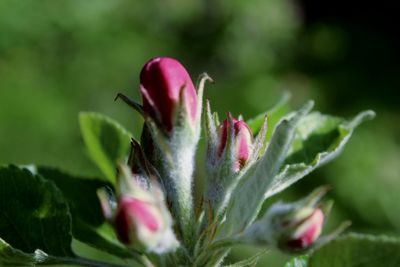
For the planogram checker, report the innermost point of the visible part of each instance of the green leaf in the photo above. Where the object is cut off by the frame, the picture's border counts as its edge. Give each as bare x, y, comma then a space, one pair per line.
300, 261
356, 250
319, 139
80, 192
252, 261
107, 141
102, 238
87, 219
10, 256
274, 115
35, 222
250, 194
34, 214
14, 257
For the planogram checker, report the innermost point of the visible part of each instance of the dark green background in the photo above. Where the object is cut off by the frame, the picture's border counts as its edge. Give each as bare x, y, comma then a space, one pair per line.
60, 57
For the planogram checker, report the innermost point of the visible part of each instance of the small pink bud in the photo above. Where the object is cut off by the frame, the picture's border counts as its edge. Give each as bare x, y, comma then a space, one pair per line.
135, 218
292, 227
307, 232
242, 139
161, 82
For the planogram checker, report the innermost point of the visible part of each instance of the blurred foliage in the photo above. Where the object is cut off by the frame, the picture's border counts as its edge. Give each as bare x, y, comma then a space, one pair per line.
60, 57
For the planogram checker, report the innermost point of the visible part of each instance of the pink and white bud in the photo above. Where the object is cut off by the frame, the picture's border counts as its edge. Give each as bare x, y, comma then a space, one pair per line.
291, 227
242, 140
161, 81
294, 228
137, 221
306, 232
141, 218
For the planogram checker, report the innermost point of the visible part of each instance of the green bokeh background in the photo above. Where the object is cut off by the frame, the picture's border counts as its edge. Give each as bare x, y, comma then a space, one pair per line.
61, 57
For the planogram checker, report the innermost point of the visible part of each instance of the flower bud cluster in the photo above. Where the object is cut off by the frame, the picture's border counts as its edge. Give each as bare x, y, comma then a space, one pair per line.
159, 171
171, 108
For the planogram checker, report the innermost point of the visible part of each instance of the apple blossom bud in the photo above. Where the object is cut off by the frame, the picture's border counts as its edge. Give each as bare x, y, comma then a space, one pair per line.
242, 136
161, 82
140, 217
291, 227
305, 233
136, 221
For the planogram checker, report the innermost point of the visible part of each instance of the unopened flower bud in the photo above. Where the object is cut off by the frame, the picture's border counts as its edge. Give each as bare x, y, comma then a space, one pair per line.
291, 227
288, 227
295, 227
242, 140
137, 221
140, 216
162, 80
303, 233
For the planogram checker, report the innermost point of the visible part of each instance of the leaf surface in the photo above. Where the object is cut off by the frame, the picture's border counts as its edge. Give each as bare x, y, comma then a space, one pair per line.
319, 139
356, 250
275, 114
34, 218
300, 261
88, 221
106, 140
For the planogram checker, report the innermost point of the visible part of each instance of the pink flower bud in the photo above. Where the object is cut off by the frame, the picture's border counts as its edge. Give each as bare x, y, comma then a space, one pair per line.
292, 227
307, 231
135, 220
242, 140
161, 82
